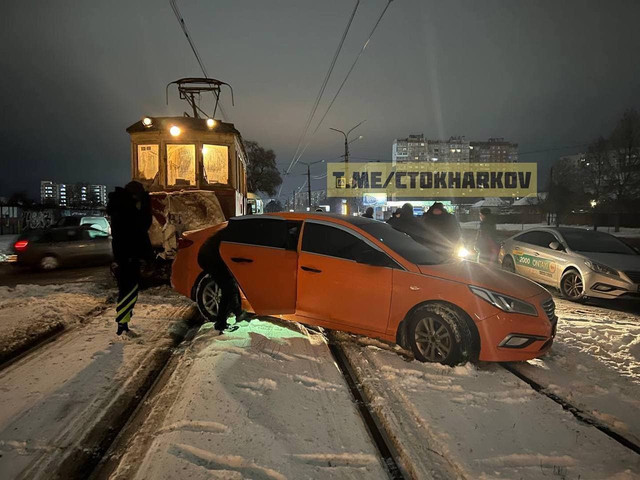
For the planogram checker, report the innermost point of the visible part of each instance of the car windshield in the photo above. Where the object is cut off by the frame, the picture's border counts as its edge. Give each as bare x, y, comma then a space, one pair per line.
596, 242
402, 244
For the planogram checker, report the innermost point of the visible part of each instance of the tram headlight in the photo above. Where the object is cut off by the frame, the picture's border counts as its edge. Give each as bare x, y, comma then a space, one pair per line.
175, 131
147, 122
211, 122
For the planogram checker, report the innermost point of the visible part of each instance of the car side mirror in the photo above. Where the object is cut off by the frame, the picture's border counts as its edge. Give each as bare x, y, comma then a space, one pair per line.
372, 257
556, 246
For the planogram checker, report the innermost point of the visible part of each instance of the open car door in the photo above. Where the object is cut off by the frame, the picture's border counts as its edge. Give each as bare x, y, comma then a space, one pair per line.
260, 251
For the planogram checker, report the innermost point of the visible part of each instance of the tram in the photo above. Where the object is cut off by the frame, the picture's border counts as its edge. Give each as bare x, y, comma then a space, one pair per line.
194, 166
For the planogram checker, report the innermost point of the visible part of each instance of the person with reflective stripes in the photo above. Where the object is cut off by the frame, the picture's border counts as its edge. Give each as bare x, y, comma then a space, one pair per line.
130, 212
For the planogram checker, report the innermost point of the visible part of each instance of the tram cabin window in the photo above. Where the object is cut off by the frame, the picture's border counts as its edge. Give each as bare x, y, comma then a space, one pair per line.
216, 164
148, 165
181, 165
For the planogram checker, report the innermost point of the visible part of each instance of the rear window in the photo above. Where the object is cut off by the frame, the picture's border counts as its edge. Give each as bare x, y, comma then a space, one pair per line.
264, 232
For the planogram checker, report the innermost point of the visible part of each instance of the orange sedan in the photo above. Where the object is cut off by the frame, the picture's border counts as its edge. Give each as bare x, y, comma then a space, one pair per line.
362, 276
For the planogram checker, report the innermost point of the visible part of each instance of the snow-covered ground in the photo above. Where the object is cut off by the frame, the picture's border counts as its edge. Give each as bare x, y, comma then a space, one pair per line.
264, 402
6, 241
594, 365
27, 312
484, 422
515, 227
60, 402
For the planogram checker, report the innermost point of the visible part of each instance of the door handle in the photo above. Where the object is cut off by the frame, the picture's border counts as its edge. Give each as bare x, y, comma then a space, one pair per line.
309, 269
241, 260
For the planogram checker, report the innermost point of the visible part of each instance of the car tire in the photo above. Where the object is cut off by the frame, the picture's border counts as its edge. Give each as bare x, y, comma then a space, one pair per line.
49, 262
508, 265
572, 285
438, 333
208, 298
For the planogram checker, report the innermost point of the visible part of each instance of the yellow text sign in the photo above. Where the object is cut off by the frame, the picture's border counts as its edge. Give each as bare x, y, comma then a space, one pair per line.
432, 179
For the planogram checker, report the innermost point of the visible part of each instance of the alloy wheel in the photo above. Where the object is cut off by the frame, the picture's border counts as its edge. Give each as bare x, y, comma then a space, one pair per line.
433, 339
211, 296
49, 263
572, 285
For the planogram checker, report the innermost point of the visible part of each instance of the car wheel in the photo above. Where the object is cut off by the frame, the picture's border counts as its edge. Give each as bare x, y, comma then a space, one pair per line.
49, 262
508, 265
437, 333
572, 285
208, 298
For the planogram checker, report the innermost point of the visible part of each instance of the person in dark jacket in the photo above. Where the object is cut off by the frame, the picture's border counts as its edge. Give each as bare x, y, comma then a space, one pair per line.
487, 244
394, 216
211, 262
368, 213
130, 212
442, 229
409, 224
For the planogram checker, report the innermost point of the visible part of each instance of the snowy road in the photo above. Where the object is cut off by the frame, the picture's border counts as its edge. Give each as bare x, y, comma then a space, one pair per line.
268, 401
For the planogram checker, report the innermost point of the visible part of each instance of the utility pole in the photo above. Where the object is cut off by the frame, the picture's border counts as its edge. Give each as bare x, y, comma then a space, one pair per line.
308, 164
294, 200
309, 184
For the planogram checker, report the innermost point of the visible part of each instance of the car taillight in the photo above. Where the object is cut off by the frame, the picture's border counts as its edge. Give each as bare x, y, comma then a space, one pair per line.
184, 243
21, 245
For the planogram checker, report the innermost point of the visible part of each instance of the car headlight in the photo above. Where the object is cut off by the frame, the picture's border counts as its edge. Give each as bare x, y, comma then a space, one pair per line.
600, 268
462, 252
505, 302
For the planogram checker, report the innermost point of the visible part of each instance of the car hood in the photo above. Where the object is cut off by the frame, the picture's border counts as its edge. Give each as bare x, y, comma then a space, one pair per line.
615, 260
473, 273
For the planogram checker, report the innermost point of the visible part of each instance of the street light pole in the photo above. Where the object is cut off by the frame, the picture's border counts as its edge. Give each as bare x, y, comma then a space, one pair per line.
346, 139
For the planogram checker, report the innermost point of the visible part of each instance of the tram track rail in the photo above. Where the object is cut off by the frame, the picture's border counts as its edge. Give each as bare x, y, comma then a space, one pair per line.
577, 412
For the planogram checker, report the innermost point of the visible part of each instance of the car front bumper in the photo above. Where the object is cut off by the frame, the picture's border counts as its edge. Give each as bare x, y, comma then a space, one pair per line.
597, 285
509, 337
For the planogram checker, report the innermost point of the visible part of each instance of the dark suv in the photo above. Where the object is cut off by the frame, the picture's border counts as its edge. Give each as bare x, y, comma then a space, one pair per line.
62, 247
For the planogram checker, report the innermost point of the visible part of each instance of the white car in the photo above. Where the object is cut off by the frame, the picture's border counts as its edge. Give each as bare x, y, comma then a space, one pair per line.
580, 263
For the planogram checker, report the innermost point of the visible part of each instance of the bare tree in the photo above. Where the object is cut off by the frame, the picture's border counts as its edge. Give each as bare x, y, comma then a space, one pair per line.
624, 162
595, 174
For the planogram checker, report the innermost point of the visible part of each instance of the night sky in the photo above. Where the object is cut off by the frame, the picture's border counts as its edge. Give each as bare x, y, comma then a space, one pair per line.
75, 74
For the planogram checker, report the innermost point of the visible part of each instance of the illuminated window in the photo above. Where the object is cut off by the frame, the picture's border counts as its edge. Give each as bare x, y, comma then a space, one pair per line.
216, 163
147, 162
181, 165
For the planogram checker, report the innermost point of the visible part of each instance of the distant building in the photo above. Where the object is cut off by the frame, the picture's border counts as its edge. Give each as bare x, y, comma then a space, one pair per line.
73, 195
416, 148
495, 150
410, 149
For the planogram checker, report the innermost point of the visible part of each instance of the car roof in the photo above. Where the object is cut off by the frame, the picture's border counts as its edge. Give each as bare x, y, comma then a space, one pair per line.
332, 217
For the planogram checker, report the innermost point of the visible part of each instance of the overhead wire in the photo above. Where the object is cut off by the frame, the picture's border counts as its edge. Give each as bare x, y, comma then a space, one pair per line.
353, 65
183, 25
323, 86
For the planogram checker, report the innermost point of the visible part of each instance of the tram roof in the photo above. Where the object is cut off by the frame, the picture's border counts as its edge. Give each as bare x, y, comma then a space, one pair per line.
185, 123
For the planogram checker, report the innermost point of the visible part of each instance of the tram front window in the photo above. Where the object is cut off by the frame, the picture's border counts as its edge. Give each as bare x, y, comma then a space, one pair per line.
181, 165
148, 165
216, 164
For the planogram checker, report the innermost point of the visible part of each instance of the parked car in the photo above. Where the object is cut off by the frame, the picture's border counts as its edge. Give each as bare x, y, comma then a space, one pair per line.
580, 263
51, 248
99, 223
362, 276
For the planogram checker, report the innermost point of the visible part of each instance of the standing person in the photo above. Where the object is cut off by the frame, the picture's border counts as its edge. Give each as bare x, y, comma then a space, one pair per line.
409, 224
487, 244
443, 230
130, 212
394, 217
368, 213
211, 262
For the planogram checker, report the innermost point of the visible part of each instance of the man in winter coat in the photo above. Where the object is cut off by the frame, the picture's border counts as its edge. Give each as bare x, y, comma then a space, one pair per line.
368, 213
211, 262
442, 229
130, 212
409, 224
487, 244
